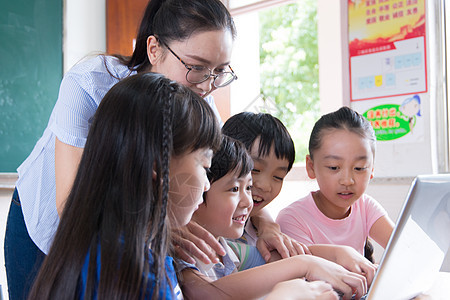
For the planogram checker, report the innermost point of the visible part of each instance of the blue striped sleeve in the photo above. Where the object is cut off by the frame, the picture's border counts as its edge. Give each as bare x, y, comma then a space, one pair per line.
248, 256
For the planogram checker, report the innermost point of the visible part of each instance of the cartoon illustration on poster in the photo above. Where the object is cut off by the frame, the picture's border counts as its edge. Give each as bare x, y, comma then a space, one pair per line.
410, 108
393, 121
387, 48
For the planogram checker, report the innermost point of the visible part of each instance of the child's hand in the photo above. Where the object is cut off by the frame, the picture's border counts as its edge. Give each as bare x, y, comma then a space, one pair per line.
286, 247
347, 257
353, 261
271, 238
341, 279
193, 240
299, 289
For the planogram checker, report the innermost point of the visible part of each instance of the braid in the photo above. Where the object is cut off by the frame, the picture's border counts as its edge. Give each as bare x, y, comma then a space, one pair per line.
161, 227
166, 150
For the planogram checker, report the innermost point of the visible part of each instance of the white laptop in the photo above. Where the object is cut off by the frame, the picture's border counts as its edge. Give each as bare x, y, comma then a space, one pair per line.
419, 242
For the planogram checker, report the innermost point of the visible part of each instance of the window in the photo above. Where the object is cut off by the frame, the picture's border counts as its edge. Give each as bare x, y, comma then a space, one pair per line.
276, 59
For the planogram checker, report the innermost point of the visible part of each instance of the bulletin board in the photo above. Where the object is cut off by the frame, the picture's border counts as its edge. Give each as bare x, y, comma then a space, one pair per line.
30, 73
389, 81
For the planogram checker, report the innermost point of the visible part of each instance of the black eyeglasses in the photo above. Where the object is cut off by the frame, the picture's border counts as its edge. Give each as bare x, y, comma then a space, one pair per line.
199, 74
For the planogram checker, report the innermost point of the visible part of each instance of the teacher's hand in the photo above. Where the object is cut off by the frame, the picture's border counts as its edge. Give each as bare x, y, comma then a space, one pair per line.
193, 240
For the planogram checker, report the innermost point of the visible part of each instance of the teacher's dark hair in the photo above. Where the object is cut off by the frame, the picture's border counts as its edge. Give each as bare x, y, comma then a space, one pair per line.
177, 20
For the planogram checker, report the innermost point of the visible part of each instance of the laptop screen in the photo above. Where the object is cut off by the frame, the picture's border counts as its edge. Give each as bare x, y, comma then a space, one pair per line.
419, 242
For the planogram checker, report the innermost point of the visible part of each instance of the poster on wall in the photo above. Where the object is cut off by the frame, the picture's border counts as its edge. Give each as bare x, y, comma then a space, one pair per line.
387, 47
392, 121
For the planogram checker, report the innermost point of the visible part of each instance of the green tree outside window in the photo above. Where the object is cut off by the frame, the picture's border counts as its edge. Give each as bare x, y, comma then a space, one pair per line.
290, 68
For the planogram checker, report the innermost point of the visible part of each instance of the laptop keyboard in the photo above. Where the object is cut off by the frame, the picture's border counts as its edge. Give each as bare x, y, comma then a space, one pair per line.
341, 295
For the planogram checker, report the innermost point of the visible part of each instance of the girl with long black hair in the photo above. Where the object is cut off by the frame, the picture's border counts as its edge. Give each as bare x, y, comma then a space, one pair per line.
143, 170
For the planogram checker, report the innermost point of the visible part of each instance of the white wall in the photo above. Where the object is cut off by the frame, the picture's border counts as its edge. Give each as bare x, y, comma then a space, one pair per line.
333, 55
245, 53
84, 30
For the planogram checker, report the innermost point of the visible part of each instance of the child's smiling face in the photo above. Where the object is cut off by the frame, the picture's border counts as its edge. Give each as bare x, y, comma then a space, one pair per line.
227, 206
268, 175
343, 167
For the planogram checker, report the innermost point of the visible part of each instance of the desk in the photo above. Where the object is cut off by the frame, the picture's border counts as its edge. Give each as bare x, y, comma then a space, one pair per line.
440, 289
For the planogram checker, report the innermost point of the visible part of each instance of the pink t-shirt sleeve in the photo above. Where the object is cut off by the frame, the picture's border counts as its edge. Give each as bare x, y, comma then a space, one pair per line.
373, 210
293, 223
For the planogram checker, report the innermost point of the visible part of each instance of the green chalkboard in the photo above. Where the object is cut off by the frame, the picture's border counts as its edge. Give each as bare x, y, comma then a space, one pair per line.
30, 74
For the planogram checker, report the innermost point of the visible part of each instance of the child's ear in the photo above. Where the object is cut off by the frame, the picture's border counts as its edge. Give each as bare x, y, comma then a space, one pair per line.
372, 173
310, 167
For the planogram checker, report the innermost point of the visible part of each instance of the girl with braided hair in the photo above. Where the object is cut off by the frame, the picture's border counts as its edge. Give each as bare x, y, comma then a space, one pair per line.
187, 41
143, 171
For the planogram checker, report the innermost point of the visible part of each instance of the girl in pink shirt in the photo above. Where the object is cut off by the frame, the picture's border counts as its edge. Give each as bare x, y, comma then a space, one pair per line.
341, 159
